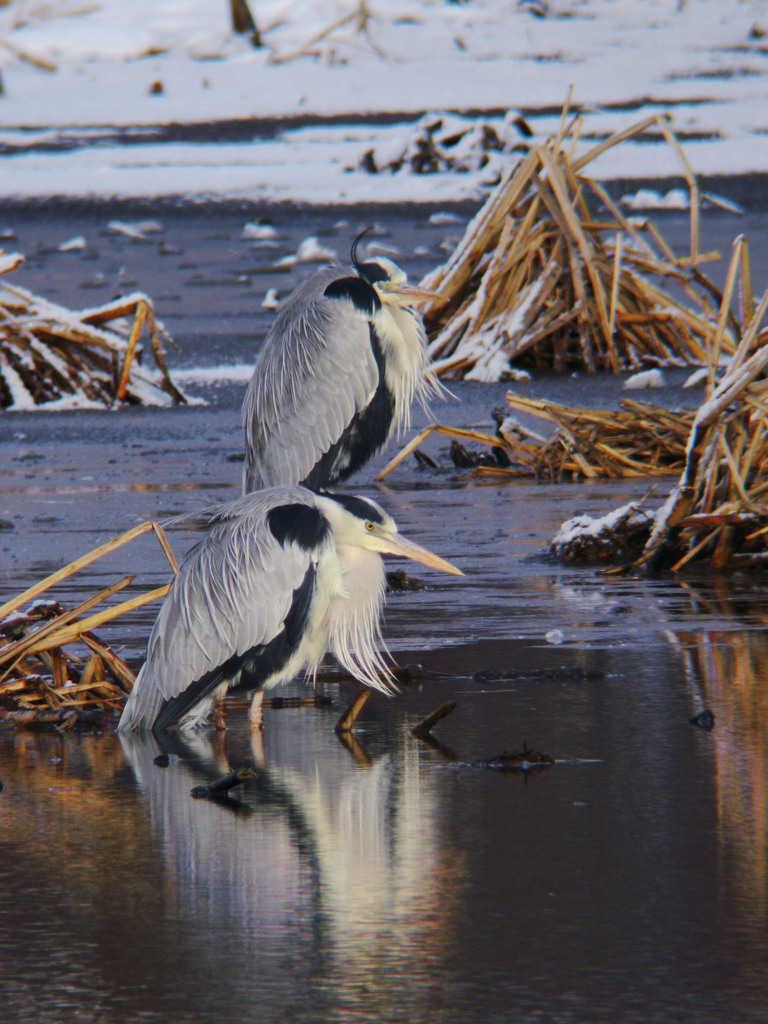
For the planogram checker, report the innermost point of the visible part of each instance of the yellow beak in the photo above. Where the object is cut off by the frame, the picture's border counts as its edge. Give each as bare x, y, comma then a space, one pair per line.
394, 544
411, 293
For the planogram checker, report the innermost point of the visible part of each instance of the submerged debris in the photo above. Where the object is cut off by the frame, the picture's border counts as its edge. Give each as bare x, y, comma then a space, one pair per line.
614, 537
398, 581
537, 276
219, 790
426, 725
704, 720
525, 760
347, 721
56, 358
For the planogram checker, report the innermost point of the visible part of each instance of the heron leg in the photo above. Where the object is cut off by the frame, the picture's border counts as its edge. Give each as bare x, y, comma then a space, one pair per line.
219, 715
256, 715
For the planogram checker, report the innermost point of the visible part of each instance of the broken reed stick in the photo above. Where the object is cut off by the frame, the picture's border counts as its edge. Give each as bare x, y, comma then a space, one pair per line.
317, 700
347, 721
27, 58
15, 651
125, 678
68, 634
426, 725
130, 349
435, 428
85, 560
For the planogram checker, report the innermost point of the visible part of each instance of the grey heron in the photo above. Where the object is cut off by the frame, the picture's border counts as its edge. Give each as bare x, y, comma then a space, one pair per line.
336, 375
281, 576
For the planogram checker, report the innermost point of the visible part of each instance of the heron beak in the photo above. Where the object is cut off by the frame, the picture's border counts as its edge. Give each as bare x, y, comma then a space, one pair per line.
397, 545
412, 293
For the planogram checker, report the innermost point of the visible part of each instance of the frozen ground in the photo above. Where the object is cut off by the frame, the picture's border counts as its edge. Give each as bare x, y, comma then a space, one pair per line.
109, 99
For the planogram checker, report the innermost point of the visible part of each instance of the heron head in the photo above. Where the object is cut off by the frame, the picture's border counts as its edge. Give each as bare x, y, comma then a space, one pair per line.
389, 281
362, 523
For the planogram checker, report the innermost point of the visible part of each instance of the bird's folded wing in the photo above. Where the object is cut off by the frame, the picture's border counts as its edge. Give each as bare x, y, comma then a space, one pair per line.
306, 390
233, 594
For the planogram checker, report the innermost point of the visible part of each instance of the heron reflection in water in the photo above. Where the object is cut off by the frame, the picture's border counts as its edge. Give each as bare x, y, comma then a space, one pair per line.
324, 869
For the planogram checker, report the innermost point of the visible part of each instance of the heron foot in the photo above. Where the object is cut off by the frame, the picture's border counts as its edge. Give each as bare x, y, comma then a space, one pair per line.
256, 714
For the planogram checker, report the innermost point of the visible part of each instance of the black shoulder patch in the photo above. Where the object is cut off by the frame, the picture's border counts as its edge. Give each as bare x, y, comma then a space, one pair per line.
358, 507
359, 292
372, 272
300, 524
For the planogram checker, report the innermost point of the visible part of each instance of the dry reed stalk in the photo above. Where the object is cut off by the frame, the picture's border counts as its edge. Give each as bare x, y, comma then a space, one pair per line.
51, 354
38, 668
537, 277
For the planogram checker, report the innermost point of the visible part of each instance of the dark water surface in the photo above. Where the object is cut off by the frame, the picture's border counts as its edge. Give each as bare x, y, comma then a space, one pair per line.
387, 879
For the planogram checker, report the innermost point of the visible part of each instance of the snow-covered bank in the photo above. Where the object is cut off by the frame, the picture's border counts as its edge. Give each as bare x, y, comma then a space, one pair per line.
173, 62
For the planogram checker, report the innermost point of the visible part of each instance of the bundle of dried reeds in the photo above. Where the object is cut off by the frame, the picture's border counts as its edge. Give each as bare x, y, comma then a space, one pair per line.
53, 668
638, 440
53, 357
536, 276
718, 510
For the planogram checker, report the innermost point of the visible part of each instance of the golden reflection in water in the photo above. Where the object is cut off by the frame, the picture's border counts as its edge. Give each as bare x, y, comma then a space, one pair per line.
62, 808
82, 873
728, 673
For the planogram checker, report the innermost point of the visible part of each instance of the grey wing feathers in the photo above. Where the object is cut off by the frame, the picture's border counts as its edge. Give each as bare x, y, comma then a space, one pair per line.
233, 592
303, 393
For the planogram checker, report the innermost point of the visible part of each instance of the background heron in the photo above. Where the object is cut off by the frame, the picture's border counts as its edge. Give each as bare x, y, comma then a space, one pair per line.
281, 576
336, 375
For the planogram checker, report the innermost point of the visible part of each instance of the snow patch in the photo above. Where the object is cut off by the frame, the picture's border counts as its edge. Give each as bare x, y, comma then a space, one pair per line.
645, 379
76, 244
649, 199
309, 251
9, 261
237, 374
258, 232
584, 538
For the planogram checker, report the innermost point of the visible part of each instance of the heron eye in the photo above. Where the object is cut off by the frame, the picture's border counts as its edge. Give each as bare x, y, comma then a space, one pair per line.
369, 526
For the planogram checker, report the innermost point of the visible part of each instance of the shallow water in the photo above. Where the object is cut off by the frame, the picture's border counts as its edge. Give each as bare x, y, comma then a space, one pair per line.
390, 879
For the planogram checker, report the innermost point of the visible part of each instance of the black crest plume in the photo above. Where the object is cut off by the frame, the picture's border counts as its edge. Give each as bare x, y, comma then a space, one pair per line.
353, 251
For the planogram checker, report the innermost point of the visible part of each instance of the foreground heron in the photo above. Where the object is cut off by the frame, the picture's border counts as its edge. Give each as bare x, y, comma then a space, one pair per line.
336, 375
281, 576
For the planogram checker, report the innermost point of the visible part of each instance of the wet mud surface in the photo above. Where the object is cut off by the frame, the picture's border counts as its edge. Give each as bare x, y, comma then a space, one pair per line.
388, 878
